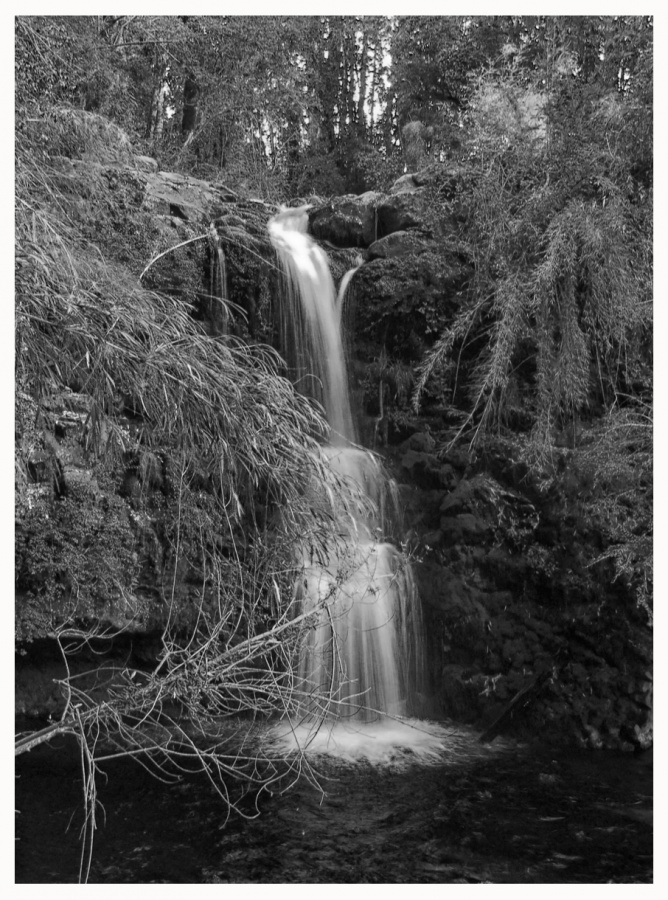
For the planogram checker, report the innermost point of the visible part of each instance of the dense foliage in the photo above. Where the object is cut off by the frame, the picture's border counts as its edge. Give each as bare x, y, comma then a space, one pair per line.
553, 341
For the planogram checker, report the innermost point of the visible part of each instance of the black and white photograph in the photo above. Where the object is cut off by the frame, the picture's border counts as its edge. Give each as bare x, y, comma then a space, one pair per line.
333, 499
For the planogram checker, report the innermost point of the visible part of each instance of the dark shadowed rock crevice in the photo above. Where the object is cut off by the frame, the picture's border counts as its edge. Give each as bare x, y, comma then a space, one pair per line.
510, 593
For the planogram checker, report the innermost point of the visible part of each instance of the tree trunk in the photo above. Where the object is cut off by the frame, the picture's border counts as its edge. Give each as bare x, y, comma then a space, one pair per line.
375, 81
293, 150
361, 114
190, 95
157, 116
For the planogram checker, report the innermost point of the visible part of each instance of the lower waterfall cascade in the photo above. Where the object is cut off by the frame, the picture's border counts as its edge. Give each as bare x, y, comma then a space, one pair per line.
363, 660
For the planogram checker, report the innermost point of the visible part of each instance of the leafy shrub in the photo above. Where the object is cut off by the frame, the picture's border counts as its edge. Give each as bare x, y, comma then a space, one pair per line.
559, 310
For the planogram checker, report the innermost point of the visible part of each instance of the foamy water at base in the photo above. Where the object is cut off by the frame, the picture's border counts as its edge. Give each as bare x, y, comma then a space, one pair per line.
382, 742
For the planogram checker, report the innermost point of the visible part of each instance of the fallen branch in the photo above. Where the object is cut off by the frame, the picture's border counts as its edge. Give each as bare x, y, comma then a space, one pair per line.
23, 744
522, 698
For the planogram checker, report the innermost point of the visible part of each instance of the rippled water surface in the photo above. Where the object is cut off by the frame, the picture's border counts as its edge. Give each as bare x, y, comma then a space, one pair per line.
438, 808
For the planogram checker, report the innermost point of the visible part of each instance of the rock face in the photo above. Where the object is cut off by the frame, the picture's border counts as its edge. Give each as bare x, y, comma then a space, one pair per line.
359, 221
169, 193
347, 221
508, 596
401, 212
117, 525
509, 593
503, 572
117, 519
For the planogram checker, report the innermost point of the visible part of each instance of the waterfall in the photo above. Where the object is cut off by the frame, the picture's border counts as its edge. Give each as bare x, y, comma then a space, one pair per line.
311, 321
362, 659
345, 281
221, 295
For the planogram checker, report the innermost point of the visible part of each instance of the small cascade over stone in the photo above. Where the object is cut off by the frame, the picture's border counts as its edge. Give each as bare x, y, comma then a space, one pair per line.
363, 659
345, 281
218, 280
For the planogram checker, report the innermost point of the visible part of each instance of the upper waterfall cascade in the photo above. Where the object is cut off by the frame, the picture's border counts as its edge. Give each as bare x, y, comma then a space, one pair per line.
363, 657
311, 320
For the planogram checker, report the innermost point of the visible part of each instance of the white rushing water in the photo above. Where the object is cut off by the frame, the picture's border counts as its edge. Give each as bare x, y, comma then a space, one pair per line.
345, 281
386, 742
363, 659
311, 319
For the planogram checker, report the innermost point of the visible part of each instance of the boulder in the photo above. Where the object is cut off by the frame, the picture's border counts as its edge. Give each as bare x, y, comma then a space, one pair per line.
170, 193
426, 470
400, 212
409, 205
348, 221
359, 221
405, 185
422, 441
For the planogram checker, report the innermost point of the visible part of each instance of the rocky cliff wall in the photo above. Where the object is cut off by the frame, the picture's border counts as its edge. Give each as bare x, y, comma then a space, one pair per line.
513, 594
505, 570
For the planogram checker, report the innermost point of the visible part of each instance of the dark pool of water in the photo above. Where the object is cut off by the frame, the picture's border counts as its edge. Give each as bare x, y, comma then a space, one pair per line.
523, 815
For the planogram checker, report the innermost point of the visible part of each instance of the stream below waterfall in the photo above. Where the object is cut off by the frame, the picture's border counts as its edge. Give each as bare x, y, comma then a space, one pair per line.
502, 813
